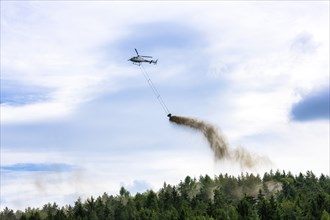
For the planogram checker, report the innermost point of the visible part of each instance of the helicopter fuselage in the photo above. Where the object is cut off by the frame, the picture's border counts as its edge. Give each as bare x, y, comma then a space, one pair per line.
139, 59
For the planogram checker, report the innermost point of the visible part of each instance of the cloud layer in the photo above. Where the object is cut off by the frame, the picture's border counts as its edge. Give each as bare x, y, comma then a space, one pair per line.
69, 96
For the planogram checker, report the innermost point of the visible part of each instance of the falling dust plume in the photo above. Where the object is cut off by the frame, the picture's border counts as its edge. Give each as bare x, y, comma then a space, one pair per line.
219, 145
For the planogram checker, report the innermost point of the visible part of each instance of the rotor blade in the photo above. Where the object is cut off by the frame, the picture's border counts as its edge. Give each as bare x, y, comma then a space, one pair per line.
136, 51
147, 56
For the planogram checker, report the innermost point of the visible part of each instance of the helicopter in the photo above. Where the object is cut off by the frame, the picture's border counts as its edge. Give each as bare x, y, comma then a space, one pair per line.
139, 59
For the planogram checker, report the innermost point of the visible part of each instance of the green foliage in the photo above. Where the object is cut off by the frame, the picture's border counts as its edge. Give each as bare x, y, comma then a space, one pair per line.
275, 196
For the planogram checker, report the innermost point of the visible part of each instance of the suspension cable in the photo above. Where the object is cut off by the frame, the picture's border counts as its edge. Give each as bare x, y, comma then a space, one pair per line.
155, 91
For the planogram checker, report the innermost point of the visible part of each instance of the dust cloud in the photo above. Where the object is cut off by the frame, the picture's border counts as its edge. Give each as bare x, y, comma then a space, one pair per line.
219, 145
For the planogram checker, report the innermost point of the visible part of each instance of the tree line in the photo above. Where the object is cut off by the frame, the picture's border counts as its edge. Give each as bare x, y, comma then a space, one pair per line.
278, 195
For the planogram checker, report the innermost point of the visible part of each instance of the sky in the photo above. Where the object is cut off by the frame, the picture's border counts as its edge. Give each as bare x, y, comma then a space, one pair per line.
78, 119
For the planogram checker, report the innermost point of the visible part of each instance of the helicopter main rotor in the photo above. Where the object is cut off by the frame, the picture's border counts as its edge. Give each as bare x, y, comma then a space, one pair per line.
141, 56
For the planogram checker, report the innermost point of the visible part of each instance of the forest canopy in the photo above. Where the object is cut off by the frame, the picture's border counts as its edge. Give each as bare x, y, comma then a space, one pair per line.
278, 195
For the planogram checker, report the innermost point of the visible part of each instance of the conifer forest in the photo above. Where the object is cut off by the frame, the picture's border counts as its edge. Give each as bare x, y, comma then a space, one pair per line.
275, 195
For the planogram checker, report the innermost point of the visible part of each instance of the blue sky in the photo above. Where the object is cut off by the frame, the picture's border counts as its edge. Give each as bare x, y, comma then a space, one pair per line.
313, 106
36, 167
79, 119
